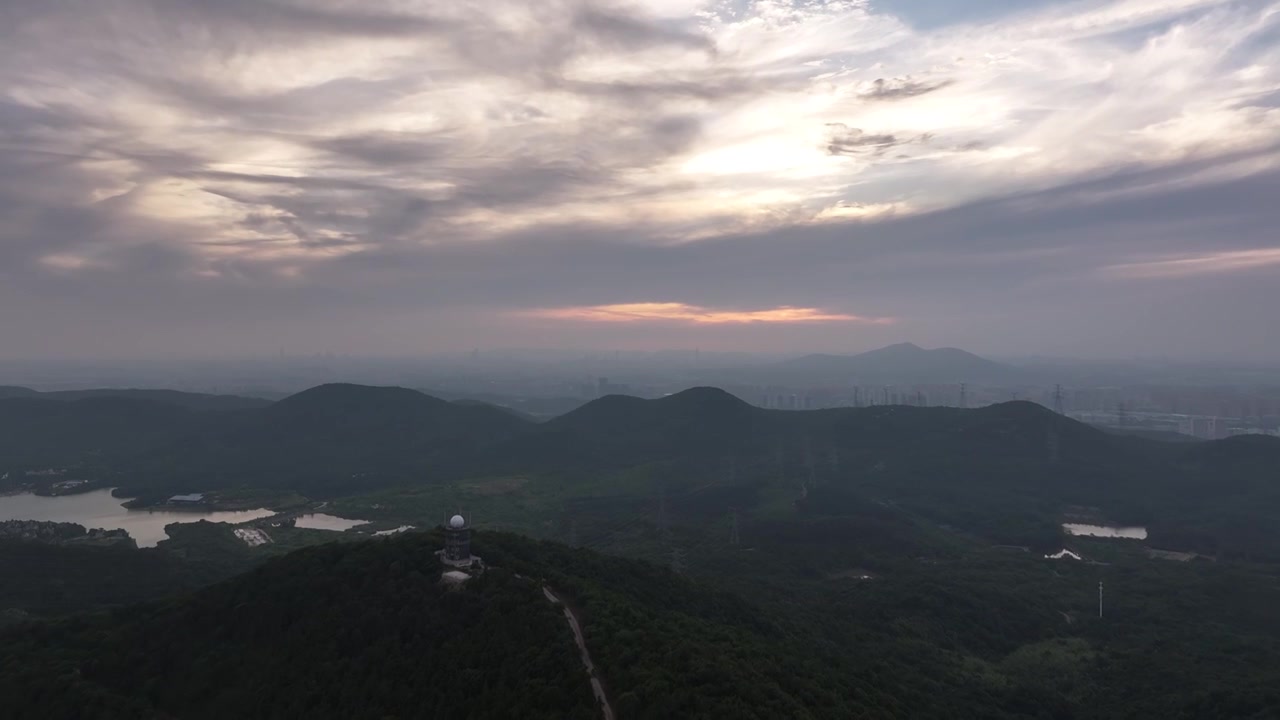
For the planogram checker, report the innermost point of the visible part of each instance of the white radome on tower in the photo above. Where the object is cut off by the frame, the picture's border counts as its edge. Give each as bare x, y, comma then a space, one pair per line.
457, 521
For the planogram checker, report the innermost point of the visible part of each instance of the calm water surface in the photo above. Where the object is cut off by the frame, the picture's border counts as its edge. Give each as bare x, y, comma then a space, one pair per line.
98, 509
321, 521
1106, 531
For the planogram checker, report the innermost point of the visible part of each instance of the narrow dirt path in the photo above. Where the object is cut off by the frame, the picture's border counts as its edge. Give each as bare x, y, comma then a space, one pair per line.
596, 688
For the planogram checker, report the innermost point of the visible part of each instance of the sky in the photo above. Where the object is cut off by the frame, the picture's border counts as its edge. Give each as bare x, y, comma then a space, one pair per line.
208, 178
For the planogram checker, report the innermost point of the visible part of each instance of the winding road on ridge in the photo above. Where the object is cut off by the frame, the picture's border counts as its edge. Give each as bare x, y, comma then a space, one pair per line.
572, 618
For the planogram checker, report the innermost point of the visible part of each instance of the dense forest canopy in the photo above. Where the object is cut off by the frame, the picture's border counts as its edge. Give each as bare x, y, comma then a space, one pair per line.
861, 562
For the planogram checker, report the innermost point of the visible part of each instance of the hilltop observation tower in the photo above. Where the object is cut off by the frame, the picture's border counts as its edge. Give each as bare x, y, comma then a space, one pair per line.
457, 545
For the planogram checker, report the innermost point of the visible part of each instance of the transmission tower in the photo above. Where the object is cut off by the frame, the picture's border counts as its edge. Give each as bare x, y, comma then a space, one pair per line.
964, 395
1122, 415
1058, 406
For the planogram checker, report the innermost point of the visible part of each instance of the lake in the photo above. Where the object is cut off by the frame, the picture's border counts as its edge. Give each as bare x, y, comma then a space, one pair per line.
97, 509
1106, 531
322, 521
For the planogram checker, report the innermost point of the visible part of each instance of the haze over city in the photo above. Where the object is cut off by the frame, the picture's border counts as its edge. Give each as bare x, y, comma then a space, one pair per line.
199, 179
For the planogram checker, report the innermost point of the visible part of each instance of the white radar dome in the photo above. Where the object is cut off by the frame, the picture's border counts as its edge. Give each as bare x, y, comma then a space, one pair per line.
456, 521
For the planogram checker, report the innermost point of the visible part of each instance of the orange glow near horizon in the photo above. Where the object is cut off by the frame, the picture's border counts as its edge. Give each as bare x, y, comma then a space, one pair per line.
697, 315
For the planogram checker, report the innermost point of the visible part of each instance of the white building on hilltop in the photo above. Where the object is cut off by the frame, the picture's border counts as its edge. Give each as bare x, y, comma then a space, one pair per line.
457, 546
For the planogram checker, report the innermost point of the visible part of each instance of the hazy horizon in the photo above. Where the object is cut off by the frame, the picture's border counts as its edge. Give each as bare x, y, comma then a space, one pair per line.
532, 356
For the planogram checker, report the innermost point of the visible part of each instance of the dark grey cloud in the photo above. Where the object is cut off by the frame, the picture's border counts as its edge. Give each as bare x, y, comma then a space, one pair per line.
844, 140
901, 88
628, 32
1024, 267
384, 149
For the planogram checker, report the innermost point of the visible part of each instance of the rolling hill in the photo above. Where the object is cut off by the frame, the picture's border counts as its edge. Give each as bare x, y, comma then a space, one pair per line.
1004, 471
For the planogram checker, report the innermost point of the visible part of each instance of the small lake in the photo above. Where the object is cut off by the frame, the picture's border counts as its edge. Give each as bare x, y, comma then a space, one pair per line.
97, 509
1106, 531
322, 521
394, 531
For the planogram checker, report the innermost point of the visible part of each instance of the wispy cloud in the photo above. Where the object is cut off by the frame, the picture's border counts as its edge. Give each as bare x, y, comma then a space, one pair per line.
1217, 262
683, 313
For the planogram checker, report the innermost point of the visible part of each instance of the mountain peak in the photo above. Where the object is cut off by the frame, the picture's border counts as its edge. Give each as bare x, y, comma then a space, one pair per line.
901, 363
704, 395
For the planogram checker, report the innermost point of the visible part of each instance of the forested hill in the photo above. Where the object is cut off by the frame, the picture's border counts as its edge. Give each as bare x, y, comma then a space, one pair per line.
336, 437
331, 437
1006, 472
366, 630
339, 631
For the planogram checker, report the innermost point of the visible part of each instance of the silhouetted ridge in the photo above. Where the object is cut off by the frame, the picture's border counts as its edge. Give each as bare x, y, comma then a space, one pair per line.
189, 400
705, 399
342, 435
36, 432
346, 397
904, 363
1237, 450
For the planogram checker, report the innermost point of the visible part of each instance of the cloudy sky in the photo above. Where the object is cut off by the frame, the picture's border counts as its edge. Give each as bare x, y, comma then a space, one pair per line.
228, 177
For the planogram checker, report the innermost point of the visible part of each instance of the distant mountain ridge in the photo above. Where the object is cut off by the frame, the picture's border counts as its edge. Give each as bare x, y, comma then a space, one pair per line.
904, 363
176, 398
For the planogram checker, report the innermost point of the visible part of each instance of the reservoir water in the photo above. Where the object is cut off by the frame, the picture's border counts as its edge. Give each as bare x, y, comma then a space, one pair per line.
322, 521
97, 509
1106, 531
